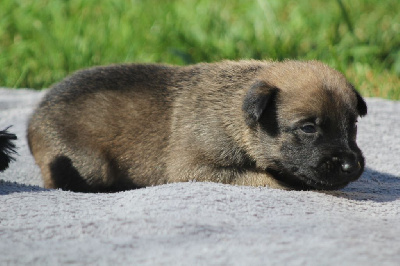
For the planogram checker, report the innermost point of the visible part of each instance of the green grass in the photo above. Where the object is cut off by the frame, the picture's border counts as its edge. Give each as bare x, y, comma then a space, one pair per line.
42, 41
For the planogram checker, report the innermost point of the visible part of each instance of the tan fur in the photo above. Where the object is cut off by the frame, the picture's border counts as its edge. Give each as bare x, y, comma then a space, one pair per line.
127, 126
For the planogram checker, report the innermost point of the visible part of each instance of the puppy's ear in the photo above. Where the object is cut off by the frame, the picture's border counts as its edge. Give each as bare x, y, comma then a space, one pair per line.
256, 101
361, 104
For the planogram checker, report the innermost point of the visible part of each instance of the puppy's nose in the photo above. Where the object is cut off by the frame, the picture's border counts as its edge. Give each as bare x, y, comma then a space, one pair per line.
349, 166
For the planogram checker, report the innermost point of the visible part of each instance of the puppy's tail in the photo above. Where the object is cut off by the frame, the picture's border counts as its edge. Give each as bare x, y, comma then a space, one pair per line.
7, 148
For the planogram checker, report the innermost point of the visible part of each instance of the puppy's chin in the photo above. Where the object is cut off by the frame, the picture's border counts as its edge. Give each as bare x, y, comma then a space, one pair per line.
323, 185
301, 182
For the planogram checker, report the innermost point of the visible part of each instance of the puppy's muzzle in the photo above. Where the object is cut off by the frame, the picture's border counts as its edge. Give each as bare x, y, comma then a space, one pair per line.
350, 167
347, 165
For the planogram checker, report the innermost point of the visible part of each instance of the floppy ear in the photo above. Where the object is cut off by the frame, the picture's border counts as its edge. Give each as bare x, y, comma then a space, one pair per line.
361, 104
256, 100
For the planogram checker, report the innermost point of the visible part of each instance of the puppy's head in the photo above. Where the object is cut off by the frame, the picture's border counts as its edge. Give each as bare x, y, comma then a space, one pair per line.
303, 122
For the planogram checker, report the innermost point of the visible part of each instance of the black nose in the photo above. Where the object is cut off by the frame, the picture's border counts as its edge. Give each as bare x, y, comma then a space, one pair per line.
350, 166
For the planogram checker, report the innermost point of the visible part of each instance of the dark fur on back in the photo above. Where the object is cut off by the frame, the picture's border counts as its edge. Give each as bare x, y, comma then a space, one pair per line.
7, 148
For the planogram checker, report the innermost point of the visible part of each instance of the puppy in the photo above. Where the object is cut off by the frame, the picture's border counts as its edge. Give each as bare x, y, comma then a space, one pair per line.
287, 124
7, 148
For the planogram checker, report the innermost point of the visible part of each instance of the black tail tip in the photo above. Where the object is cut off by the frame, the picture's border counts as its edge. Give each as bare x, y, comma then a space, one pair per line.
7, 148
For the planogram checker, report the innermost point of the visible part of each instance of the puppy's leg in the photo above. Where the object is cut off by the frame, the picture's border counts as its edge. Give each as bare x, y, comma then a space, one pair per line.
182, 171
72, 168
257, 179
74, 171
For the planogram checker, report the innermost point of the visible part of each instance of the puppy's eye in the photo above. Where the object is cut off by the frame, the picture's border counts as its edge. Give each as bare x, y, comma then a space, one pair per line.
308, 128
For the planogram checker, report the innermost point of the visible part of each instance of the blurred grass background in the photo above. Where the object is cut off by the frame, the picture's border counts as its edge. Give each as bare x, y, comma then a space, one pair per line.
42, 41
